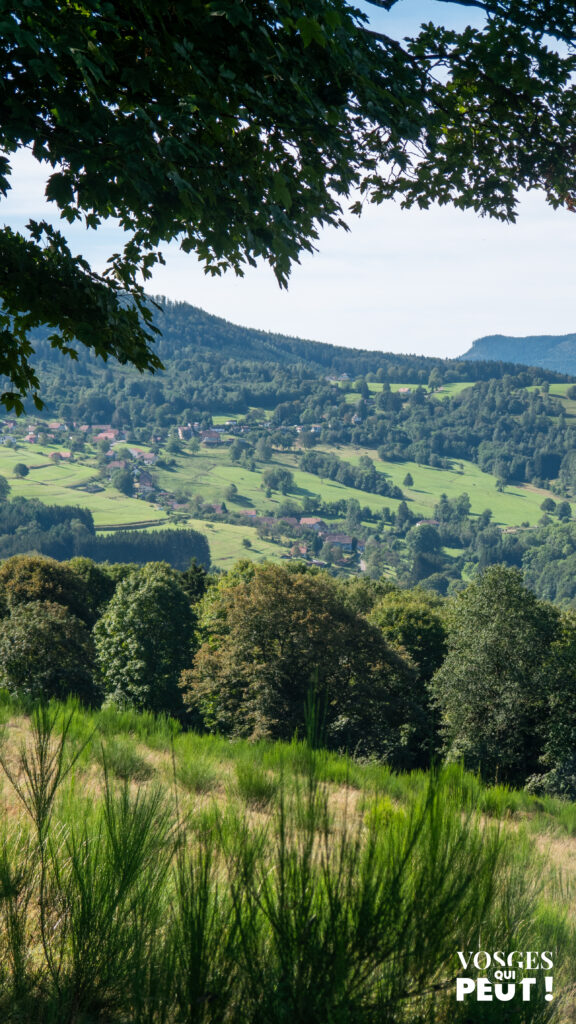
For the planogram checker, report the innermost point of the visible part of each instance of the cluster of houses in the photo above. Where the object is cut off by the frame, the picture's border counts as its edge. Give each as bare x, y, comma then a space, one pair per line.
337, 378
212, 436
53, 431
296, 526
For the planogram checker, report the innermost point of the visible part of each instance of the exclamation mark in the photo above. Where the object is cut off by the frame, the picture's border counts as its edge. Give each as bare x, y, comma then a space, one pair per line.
548, 979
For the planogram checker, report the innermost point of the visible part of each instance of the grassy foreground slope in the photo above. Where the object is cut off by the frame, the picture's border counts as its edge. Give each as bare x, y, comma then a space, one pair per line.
152, 875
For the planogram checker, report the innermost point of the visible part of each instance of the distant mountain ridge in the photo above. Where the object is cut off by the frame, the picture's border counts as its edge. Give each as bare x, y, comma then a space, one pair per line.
550, 351
187, 331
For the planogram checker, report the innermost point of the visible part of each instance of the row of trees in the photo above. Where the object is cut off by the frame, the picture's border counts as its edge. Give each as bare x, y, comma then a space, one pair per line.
67, 531
488, 676
363, 477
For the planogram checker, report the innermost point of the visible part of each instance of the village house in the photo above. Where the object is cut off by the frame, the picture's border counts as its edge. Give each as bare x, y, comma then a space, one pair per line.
210, 438
145, 481
313, 523
299, 550
341, 540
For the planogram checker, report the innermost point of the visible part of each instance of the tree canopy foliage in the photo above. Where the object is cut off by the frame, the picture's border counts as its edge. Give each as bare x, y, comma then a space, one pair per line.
278, 637
492, 687
144, 640
45, 652
28, 578
241, 128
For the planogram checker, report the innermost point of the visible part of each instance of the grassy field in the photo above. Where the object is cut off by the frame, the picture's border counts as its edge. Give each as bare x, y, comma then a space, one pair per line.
61, 483
560, 391
226, 542
453, 389
447, 389
163, 877
210, 472
515, 505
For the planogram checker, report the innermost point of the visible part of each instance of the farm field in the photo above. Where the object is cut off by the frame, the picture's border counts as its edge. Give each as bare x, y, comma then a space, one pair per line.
60, 484
375, 387
209, 473
226, 542
560, 391
511, 507
456, 388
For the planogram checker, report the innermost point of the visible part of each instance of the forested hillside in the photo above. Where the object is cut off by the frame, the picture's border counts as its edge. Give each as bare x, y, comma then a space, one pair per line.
186, 331
552, 352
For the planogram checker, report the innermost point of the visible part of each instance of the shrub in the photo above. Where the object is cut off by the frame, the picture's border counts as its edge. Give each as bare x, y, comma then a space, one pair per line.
198, 776
120, 755
257, 787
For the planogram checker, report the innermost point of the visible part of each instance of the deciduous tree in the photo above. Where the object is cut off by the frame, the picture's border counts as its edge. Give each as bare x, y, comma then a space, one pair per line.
492, 687
26, 578
276, 636
46, 652
413, 620
144, 640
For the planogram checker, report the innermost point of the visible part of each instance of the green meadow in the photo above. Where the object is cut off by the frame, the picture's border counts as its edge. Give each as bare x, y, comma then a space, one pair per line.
447, 390
560, 391
226, 542
514, 505
209, 473
62, 483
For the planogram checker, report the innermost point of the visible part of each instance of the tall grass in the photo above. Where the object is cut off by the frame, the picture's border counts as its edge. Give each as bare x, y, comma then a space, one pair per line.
122, 909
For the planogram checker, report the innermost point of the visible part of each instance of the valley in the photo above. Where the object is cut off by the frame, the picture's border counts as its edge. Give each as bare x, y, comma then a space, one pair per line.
245, 434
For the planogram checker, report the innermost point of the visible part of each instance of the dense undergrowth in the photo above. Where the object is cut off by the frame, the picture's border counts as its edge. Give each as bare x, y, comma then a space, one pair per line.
150, 875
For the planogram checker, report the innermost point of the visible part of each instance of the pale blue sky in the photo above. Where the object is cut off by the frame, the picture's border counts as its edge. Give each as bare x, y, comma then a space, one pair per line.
403, 281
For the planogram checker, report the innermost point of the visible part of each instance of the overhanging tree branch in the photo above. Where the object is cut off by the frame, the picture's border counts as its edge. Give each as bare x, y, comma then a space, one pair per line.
240, 129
